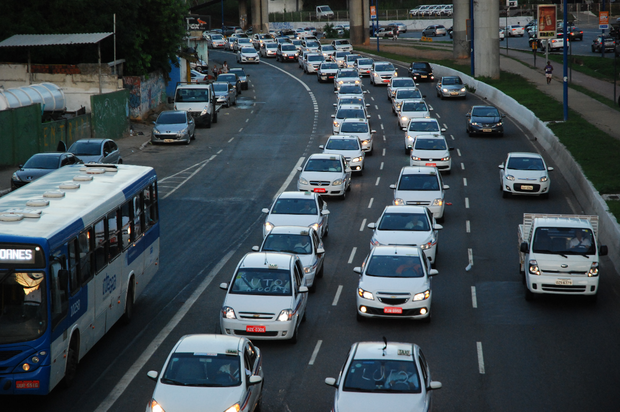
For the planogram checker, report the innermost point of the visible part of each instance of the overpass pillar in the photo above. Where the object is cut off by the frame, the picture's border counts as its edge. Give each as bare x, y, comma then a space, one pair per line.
257, 27
486, 38
265, 15
243, 14
357, 20
366, 22
461, 48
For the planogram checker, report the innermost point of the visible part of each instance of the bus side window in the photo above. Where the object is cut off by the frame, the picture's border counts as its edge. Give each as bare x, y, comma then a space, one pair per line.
154, 203
150, 206
138, 219
114, 229
74, 266
101, 244
86, 239
59, 293
126, 217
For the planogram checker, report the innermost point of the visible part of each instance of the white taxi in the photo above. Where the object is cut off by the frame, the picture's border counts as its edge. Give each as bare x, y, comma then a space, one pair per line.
363, 66
382, 72
421, 186
361, 129
226, 370
266, 297
297, 209
524, 174
348, 111
408, 226
420, 127
405, 93
431, 151
346, 76
301, 241
412, 109
384, 376
325, 174
395, 283
348, 146
397, 83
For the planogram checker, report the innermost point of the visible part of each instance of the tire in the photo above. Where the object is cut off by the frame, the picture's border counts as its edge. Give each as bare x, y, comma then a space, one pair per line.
293, 339
208, 123
320, 272
72, 363
325, 234
311, 289
343, 196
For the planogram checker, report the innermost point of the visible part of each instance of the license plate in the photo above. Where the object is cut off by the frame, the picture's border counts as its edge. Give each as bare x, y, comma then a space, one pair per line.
431, 164
527, 187
487, 130
423, 76
454, 93
567, 282
26, 384
319, 190
386, 81
168, 140
392, 310
331, 77
259, 329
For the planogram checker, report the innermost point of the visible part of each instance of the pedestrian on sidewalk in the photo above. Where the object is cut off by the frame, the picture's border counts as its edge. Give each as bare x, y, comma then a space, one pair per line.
548, 71
224, 68
395, 33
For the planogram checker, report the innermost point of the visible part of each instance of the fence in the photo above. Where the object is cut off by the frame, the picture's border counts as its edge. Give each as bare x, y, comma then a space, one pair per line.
110, 114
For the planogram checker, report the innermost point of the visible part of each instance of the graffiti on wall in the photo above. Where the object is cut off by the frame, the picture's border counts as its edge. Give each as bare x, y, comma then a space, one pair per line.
145, 94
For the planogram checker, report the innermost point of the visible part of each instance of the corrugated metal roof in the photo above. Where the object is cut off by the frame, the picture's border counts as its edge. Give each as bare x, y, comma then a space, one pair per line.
25, 40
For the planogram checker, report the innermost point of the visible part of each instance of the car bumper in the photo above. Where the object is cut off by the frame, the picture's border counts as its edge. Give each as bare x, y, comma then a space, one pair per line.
423, 77
580, 285
453, 93
367, 145
288, 58
533, 188
486, 130
169, 138
322, 190
409, 310
249, 59
441, 165
326, 77
274, 330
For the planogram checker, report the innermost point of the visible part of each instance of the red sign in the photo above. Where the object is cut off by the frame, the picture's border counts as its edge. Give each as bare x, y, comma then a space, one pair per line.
547, 23
603, 20
319, 189
26, 384
392, 310
431, 164
258, 329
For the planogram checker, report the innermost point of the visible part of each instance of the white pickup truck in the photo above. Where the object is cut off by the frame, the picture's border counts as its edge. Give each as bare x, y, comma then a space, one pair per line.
559, 254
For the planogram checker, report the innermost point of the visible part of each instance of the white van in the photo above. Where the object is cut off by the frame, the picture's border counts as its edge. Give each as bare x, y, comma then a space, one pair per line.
198, 100
324, 11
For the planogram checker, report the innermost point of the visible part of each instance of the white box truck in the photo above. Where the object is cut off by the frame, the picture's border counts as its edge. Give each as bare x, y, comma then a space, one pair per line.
559, 254
324, 11
198, 100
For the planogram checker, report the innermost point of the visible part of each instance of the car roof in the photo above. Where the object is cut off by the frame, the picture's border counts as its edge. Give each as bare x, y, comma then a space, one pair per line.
324, 156
393, 351
296, 195
53, 154
419, 170
211, 343
267, 260
404, 209
525, 154
178, 111
354, 119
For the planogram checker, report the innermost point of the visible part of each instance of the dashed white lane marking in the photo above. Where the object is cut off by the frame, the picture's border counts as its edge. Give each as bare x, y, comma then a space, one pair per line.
464, 181
379, 116
572, 207
247, 120
452, 137
438, 116
337, 296
466, 203
231, 139
382, 126
251, 111
445, 126
376, 107
220, 151
240, 130
383, 152
315, 353
462, 166
474, 299
289, 178
372, 98
470, 256
378, 179
372, 199
381, 167
363, 225
467, 226
480, 358
352, 255
384, 138
458, 152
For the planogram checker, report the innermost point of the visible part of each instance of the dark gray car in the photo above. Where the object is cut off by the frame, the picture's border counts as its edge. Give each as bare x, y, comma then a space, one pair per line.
97, 151
39, 165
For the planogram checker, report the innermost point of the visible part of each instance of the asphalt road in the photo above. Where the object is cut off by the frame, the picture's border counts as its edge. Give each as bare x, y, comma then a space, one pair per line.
492, 350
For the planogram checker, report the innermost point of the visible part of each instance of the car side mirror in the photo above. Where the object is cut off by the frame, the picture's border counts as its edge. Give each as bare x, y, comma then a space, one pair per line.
348, 169
501, 166
446, 187
152, 374
335, 92
433, 272
435, 385
303, 289
335, 105
502, 115
224, 286
404, 129
333, 116
20, 166
368, 116
372, 225
524, 247
550, 169
468, 115
367, 105
247, 75
450, 149
299, 169
437, 226
255, 248
324, 212
321, 147
373, 131
357, 269
330, 382
254, 379
392, 186
265, 210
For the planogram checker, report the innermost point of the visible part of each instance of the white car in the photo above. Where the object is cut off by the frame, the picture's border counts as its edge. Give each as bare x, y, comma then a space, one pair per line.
406, 93
350, 90
360, 128
382, 73
384, 376
342, 45
347, 111
348, 146
420, 127
312, 46
327, 71
346, 76
431, 151
269, 49
226, 370
363, 66
515, 30
241, 42
524, 174
298, 209
312, 62
412, 109
451, 86
215, 41
248, 55
339, 58
349, 60
353, 101
325, 174
301, 241
328, 51
421, 186
266, 297
397, 83
407, 226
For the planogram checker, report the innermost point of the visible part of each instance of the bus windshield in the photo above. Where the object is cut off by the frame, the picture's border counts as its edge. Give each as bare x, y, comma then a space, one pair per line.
23, 314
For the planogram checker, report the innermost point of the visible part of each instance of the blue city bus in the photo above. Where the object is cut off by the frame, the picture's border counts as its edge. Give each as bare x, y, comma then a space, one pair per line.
77, 247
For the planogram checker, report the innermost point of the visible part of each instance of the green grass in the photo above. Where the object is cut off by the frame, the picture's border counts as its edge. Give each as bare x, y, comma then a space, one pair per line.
594, 66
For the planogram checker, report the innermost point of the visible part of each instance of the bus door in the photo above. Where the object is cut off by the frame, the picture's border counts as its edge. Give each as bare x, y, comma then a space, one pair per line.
108, 269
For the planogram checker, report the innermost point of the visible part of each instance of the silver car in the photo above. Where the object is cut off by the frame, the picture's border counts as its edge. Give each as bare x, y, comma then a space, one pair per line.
96, 151
173, 126
225, 94
451, 86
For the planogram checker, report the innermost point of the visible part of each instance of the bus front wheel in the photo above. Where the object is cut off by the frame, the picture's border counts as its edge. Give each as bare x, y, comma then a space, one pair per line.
72, 362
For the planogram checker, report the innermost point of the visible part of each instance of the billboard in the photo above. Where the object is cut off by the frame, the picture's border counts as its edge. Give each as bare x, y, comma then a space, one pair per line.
547, 25
196, 22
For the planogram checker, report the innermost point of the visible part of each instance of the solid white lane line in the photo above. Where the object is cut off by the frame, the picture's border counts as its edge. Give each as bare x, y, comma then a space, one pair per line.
161, 336
290, 177
462, 166
231, 139
466, 203
363, 225
464, 181
378, 179
474, 299
372, 199
352, 255
383, 152
480, 358
467, 226
337, 296
459, 152
381, 167
315, 353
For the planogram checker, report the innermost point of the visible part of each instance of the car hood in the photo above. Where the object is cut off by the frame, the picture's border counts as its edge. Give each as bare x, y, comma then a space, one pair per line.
384, 73
431, 154
402, 237
28, 175
328, 176
418, 195
362, 136
486, 119
293, 220
528, 175
386, 285
249, 54
414, 134
170, 128
452, 86
553, 263
329, 71
262, 303
421, 71
367, 402
174, 398
222, 93
346, 153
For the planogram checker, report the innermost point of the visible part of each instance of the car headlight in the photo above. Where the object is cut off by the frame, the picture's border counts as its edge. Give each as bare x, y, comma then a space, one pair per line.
155, 407
510, 177
228, 313
593, 270
463, 90
357, 82
336, 124
544, 179
155, 131
399, 202
499, 124
409, 138
374, 242
235, 408
340, 82
15, 177
445, 159
268, 227
337, 182
309, 269
422, 296
415, 158
316, 226
475, 124
444, 90
303, 181
404, 118
428, 244
438, 202
365, 294
180, 133
534, 269
365, 141
204, 111
357, 159
285, 315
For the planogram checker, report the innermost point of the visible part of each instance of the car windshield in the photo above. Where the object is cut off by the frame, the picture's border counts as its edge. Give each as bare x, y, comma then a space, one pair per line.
420, 66
429, 126
400, 266
384, 67
46, 162
312, 44
404, 221
85, 148
298, 244
327, 47
24, 305
173, 117
288, 47
351, 89
525, 163
296, 42
192, 95
343, 144
418, 182
294, 207
342, 54
430, 144
414, 107
403, 83
352, 100
323, 165
451, 80
230, 78
202, 369
364, 62
258, 281
564, 241
216, 37
382, 376
354, 127
341, 42
347, 73
329, 66
352, 57
350, 114
238, 71
220, 87
485, 112
243, 40
250, 50
315, 58
273, 46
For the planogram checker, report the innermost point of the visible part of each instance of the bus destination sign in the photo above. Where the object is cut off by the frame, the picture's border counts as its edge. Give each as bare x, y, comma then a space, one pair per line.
17, 256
